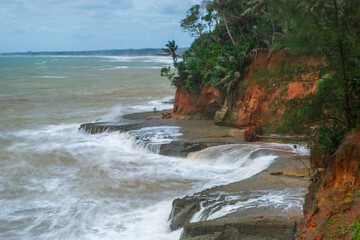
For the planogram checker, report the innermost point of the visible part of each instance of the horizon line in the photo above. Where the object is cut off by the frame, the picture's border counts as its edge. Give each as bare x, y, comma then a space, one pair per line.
81, 51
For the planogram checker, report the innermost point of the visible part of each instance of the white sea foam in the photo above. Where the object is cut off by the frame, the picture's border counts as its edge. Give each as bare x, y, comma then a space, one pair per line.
158, 105
107, 186
114, 68
60, 183
148, 224
216, 206
152, 137
299, 149
115, 112
145, 59
56, 77
247, 159
236, 159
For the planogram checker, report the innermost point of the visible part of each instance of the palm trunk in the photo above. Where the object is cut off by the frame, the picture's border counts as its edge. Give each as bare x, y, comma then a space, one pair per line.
227, 29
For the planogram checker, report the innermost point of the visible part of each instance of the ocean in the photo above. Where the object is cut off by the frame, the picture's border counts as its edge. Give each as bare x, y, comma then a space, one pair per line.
57, 182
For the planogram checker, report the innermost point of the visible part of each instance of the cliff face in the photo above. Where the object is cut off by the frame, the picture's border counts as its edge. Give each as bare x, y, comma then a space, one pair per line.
267, 88
267, 83
332, 206
204, 104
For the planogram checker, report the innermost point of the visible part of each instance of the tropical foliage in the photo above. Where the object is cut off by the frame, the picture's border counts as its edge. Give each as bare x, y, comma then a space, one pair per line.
227, 31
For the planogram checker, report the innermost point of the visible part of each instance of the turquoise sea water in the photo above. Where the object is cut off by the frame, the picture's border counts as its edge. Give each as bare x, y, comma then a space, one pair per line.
57, 182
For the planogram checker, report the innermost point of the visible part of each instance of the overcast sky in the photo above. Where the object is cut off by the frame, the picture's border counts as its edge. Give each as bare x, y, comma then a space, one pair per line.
55, 25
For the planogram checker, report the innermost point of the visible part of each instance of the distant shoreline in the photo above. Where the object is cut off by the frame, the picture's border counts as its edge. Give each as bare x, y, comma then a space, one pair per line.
111, 52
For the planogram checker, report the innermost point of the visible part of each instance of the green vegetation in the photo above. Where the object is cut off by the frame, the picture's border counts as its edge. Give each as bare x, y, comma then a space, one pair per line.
316, 208
329, 222
227, 32
284, 90
355, 227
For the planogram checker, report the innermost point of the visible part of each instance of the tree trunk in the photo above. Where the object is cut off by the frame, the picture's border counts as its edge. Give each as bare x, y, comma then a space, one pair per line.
348, 110
227, 29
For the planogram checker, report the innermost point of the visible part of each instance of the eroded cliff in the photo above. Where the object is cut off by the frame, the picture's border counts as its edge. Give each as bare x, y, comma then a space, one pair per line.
203, 104
332, 206
268, 83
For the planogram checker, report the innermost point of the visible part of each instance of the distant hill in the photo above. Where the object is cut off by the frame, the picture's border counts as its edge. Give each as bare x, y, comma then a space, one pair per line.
112, 52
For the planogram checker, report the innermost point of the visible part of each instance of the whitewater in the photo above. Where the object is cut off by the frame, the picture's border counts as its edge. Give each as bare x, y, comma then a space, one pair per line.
58, 182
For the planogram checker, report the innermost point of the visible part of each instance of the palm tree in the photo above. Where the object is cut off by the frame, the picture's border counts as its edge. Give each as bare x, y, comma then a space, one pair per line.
171, 50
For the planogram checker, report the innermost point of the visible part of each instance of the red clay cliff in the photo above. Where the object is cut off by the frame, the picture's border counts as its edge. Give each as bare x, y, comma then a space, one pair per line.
332, 207
204, 104
261, 94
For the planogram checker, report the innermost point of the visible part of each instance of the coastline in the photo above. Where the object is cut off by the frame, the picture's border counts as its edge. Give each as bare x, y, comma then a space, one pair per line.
285, 177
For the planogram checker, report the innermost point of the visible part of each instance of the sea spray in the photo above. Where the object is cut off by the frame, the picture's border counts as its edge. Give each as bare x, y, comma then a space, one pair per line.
57, 182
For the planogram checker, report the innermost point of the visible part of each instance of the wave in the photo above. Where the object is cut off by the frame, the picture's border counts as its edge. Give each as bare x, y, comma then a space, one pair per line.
153, 137
61, 183
144, 59
114, 68
129, 67
56, 77
240, 161
281, 200
115, 113
157, 104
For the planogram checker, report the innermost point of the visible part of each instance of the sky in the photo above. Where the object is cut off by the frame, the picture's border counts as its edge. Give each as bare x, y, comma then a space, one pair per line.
71, 25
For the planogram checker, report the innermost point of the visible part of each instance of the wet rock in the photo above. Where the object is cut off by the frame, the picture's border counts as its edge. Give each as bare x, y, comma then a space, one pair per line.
183, 148
251, 134
254, 221
237, 210
182, 211
296, 172
256, 228
171, 101
276, 172
166, 115
177, 148
94, 128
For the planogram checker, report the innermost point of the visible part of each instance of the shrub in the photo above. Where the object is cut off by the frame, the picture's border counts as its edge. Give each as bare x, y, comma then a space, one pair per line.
328, 140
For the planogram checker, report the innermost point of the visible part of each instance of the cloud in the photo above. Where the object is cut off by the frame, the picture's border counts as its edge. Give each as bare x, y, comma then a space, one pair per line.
171, 7
92, 24
59, 8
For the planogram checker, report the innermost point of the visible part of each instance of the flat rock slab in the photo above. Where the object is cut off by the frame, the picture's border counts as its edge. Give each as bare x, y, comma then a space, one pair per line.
255, 228
294, 172
250, 218
196, 134
256, 222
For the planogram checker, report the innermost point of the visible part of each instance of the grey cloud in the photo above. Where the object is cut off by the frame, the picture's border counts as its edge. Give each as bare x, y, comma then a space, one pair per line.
173, 7
105, 4
53, 7
92, 23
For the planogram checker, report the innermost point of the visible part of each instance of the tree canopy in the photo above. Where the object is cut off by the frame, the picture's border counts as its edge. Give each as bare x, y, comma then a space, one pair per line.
329, 29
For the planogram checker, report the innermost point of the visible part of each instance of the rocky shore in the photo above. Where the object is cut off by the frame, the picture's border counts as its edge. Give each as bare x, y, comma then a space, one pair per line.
264, 206
196, 134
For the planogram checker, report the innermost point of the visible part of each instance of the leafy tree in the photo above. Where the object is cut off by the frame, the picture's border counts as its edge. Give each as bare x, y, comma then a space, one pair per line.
209, 18
193, 22
329, 28
221, 6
